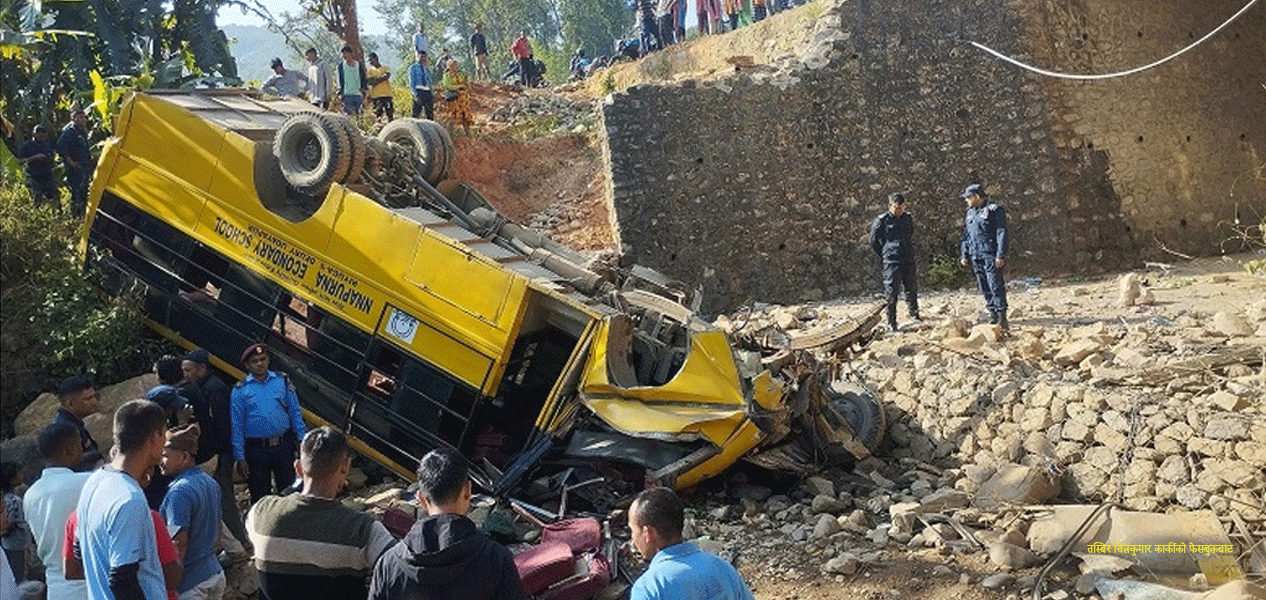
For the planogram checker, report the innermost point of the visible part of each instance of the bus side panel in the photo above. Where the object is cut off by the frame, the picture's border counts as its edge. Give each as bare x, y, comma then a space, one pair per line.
464, 281
158, 131
158, 194
436, 347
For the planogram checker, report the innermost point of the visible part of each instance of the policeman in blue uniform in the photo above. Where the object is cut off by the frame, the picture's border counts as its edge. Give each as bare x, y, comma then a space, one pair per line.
266, 424
892, 239
985, 249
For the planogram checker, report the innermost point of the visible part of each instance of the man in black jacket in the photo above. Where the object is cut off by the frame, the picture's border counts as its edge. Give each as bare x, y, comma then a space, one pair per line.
215, 437
892, 238
445, 556
78, 398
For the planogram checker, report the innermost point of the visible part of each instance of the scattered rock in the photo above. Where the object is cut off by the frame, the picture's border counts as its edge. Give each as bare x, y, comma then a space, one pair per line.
1232, 324
1076, 351
997, 581
1129, 289
826, 526
819, 486
1011, 556
1017, 484
845, 564
827, 504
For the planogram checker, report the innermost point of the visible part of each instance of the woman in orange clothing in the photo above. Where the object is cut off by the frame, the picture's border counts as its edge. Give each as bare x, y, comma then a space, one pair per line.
457, 96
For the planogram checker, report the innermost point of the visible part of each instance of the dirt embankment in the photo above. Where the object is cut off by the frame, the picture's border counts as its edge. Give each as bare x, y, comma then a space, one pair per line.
538, 169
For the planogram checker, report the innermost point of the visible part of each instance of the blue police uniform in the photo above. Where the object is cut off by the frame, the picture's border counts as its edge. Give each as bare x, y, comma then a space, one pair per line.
892, 239
266, 424
984, 241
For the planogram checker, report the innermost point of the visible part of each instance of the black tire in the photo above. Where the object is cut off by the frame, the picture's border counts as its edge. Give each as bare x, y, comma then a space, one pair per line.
447, 150
356, 145
377, 155
312, 152
865, 415
424, 141
435, 134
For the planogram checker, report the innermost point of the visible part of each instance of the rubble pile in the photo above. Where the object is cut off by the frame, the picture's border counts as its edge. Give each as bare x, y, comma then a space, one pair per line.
1157, 412
561, 113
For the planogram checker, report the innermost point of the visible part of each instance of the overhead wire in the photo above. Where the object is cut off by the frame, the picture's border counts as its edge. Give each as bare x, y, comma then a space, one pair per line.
1079, 76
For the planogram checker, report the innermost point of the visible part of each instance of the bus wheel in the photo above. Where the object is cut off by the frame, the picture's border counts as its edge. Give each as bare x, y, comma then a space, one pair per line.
425, 142
447, 151
377, 157
312, 152
356, 145
862, 411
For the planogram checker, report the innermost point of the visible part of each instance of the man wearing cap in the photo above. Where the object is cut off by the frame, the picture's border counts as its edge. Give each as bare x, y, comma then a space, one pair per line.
284, 82
892, 239
265, 422
216, 438
984, 249
191, 510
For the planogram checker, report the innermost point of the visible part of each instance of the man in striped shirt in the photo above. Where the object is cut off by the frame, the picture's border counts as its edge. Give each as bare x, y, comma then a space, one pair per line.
308, 545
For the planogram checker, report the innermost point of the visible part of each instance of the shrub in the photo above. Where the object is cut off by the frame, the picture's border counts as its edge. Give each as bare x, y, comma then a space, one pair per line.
945, 271
53, 321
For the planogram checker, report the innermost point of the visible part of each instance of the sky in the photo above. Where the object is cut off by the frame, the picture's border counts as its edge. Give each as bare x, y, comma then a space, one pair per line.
370, 22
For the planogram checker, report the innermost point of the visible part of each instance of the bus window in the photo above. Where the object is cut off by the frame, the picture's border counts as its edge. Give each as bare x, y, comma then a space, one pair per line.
245, 311
409, 405
331, 347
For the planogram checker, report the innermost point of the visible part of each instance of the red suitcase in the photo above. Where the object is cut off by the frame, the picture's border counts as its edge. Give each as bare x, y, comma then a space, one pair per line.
591, 575
581, 535
543, 565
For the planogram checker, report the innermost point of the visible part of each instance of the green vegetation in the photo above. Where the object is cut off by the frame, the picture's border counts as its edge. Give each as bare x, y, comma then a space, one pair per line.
944, 271
57, 53
54, 321
608, 83
535, 127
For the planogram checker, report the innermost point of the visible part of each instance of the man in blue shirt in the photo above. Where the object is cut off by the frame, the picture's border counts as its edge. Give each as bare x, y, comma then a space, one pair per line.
266, 421
985, 249
420, 85
72, 145
892, 239
678, 569
115, 536
191, 510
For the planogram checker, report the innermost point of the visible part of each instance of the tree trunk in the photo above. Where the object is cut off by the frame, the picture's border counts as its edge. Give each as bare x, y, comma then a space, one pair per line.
351, 34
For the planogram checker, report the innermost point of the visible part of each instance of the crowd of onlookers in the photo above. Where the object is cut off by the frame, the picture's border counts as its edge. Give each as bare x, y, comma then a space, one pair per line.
661, 23
147, 520
430, 79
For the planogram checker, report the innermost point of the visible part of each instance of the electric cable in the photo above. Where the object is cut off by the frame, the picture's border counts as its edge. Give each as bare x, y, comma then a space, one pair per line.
1041, 71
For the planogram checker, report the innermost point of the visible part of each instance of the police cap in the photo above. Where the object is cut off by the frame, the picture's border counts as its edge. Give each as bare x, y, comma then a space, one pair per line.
252, 351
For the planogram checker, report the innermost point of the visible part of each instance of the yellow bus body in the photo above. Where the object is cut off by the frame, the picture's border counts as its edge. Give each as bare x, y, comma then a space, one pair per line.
181, 178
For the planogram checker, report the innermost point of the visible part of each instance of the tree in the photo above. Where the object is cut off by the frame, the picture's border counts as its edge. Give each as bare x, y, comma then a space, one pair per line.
56, 47
339, 17
449, 23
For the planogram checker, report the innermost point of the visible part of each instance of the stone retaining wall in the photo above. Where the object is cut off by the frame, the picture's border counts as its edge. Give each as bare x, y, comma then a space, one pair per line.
761, 184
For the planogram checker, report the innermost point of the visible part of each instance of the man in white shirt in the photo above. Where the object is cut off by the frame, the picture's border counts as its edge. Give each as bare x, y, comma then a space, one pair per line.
318, 78
49, 502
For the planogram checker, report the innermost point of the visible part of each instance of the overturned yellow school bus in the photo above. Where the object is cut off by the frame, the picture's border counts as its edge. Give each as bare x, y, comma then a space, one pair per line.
410, 314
